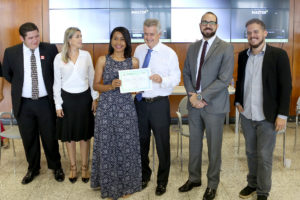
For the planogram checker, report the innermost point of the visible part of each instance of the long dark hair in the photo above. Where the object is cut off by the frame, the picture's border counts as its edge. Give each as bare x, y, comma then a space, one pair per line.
126, 35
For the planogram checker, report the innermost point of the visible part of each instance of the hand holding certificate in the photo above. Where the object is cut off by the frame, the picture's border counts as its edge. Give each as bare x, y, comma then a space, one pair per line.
135, 80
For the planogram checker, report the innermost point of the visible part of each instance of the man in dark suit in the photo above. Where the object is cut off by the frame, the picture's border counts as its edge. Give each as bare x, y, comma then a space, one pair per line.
263, 90
207, 71
29, 68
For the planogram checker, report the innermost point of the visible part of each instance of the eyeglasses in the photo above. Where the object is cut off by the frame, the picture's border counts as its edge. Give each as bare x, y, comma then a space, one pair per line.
206, 22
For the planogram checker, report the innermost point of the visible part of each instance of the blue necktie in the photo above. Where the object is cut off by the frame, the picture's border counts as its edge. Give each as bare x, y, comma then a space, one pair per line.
145, 65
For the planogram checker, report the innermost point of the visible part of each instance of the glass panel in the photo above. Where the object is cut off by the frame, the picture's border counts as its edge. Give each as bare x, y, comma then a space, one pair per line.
179, 18
190, 32
276, 21
133, 19
260, 4
60, 4
140, 3
93, 23
209, 4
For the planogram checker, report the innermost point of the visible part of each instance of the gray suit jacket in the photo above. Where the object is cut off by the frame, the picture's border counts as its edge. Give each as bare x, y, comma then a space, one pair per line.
216, 74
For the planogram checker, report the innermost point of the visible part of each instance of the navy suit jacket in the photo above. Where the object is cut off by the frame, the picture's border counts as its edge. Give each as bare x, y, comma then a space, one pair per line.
13, 71
276, 80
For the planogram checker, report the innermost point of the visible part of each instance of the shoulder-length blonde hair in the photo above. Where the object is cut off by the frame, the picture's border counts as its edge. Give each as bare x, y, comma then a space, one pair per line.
65, 49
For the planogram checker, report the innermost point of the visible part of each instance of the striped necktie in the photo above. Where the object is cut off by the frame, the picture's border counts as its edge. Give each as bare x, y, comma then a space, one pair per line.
34, 76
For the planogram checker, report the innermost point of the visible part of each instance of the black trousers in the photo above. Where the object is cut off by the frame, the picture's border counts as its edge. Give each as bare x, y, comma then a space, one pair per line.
155, 116
37, 118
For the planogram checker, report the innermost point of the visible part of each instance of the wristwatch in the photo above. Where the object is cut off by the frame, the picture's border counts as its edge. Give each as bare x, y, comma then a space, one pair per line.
199, 97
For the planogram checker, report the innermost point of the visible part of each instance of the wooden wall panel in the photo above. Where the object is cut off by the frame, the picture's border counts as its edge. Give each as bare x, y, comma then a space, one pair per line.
45, 23
100, 50
181, 50
87, 47
296, 58
13, 13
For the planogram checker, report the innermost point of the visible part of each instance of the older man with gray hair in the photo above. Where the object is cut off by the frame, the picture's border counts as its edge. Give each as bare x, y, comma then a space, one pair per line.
153, 107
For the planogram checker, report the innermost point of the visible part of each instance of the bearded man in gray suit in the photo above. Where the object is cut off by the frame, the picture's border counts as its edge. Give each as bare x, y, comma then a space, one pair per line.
207, 72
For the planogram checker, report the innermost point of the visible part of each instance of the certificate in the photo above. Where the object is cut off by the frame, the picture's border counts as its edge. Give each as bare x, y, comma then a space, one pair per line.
135, 80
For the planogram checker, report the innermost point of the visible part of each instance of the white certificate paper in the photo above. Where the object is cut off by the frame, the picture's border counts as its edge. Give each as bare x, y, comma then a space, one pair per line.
135, 80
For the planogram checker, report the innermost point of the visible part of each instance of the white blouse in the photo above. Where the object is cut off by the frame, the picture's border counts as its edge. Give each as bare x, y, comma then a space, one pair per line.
73, 77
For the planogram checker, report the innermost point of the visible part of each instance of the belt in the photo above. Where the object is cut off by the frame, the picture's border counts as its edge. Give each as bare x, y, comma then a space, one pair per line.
150, 100
40, 98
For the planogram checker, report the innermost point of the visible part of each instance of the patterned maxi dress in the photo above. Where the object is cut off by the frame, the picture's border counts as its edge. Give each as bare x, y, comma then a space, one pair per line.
116, 165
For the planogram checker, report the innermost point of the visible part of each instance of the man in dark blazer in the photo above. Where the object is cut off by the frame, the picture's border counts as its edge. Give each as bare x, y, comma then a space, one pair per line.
29, 68
207, 72
263, 90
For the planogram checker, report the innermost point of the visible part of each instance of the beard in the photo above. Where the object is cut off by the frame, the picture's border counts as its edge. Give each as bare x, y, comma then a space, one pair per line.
208, 35
256, 45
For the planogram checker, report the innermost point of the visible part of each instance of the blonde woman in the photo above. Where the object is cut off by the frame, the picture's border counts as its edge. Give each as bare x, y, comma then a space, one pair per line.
75, 99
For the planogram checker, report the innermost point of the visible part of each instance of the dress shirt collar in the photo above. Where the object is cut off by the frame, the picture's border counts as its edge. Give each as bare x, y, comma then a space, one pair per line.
156, 47
26, 49
249, 52
210, 40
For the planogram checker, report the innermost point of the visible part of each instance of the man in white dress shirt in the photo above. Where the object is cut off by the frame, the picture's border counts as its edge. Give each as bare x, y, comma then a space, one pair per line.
29, 68
153, 107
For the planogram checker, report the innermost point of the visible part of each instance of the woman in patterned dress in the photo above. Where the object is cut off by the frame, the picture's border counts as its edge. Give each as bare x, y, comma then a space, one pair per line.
116, 166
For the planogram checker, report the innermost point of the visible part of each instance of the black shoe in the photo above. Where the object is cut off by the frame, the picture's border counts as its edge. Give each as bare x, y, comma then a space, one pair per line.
73, 174
209, 194
30, 176
247, 192
59, 175
144, 184
85, 180
72, 180
262, 197
85, 174
188, 186
160, 189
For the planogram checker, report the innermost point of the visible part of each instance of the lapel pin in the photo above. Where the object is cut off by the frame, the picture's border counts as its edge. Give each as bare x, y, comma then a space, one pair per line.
42, 57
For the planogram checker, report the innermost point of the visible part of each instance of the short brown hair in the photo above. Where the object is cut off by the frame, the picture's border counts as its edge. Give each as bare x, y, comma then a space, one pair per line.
27, 27
256, 21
